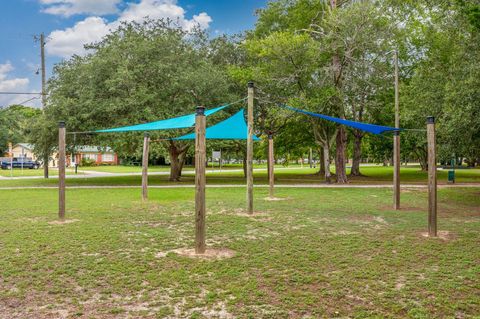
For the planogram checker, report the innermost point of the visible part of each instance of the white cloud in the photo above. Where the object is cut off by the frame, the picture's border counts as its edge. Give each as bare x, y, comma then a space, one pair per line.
70, 41
155, 9
68, 8
11, 85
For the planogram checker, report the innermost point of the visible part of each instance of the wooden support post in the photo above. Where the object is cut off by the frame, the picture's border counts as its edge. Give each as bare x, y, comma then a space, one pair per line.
200, 158
61, 170
396, 170
251, 92
271, 176
432, 178
146, 143
396, 143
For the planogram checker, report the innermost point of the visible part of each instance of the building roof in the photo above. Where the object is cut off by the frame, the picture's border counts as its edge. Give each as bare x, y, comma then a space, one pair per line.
80, 149
24, 145
93, 149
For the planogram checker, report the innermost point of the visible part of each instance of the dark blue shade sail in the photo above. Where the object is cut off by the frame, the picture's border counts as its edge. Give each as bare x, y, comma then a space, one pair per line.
371, 128
185, 121
233, 128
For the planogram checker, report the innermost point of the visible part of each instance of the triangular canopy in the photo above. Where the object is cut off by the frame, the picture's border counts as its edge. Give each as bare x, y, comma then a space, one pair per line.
184, 121
372, 128
233, 128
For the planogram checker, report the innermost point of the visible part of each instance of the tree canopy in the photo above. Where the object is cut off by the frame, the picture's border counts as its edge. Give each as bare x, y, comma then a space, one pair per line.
331, 57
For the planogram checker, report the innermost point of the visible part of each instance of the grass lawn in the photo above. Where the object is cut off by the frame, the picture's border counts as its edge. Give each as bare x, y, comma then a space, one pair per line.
290, 175
153, 168
122, 169
18, 172
319, 253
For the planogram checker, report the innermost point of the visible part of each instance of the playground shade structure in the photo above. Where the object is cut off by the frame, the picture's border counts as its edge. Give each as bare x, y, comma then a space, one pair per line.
371, 128
233, 128
185, 121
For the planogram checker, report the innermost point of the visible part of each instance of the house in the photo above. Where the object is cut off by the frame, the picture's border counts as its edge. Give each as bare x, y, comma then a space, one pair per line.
99, 155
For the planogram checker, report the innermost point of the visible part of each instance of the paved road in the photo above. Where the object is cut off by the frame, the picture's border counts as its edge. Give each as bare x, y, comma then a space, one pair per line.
93, 174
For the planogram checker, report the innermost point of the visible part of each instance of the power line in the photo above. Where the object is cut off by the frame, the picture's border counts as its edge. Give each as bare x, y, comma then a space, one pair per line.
33, 98
19, 93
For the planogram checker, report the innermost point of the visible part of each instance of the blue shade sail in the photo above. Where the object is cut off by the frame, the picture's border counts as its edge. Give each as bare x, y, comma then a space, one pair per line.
233, 128
185, 121
372, 128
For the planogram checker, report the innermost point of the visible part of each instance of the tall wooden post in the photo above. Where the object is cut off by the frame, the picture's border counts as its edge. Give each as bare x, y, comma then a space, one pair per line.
271, 163
432, 178
146, 143
61, 170
396, 143
251, 92
200, 158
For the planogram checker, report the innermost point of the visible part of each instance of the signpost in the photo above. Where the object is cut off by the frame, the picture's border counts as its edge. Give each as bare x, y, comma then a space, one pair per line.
217, 156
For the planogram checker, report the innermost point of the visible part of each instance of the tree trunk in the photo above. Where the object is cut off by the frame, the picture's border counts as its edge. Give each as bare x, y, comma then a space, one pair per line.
471, 162
357, 154
326, 159
422, 158
340, 168
245, 165
321, 172
177, 159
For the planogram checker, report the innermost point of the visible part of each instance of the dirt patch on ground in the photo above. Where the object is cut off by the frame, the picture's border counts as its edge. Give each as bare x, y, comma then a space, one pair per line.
458, 212
441, 234
344, 233
244, 213
403, 208
274, 199
63, 222
210, 253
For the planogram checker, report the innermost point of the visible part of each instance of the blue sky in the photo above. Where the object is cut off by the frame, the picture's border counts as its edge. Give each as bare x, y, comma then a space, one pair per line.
68, 24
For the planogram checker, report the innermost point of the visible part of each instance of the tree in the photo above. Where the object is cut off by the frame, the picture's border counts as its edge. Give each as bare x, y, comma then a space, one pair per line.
16, 123
325, 58
445, 83
140, 72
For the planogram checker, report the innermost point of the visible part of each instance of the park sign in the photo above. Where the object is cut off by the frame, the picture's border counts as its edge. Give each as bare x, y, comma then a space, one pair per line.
216, 155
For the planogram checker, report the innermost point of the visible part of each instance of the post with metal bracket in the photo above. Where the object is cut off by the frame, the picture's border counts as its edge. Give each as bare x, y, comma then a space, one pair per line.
251, 92
271, 163
432, 178
396, 143
146, 142
61, 170
200, 180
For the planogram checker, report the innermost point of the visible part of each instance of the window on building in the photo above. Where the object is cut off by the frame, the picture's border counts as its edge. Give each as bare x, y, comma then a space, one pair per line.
107, 157
90, 156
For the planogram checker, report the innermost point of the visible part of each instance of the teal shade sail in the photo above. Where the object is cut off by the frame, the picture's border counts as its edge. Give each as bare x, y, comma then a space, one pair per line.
233, 128
184, 121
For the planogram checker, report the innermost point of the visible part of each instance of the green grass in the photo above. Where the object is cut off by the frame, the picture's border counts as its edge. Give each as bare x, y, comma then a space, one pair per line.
18, 172
153, 168
290, 175
319, 253
122, 169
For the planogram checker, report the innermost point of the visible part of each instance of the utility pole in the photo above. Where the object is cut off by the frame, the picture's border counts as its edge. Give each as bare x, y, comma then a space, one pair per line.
44, 98
396, 143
